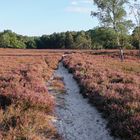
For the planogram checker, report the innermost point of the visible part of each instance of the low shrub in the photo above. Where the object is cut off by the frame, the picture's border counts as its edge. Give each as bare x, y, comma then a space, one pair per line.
111, 88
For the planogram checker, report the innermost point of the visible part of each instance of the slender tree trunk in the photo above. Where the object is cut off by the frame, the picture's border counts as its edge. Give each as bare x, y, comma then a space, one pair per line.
121, 54
121, 51
139, 48
139, 36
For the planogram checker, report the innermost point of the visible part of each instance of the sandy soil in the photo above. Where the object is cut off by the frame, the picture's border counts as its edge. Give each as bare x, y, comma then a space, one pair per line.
76, 118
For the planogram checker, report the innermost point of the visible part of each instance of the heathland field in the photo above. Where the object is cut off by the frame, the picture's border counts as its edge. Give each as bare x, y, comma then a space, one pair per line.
27, 108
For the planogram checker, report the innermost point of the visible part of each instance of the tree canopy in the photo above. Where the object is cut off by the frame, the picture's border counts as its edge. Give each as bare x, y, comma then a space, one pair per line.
97, 38
112, 13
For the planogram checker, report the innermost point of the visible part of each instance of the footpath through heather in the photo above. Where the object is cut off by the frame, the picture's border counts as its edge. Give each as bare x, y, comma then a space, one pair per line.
76, 118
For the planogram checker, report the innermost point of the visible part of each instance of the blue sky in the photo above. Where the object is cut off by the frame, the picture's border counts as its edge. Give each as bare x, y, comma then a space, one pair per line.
37, 17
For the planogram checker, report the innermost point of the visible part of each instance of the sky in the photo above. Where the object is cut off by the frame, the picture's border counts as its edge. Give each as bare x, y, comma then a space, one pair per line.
38, 17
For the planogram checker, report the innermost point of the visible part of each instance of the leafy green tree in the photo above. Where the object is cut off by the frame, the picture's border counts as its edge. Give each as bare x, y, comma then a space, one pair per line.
8, 39
59, 41
135, 8
82, 41
62, 41
31, 44
111, 13
69, 41
4, 41
135, 37
103, 38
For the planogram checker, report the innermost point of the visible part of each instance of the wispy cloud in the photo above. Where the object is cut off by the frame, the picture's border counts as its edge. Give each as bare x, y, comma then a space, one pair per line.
86, 1
74, 3
79, 6
78, 9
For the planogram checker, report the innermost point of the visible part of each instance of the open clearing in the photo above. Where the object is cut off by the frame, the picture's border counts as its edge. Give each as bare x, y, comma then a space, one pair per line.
110, 85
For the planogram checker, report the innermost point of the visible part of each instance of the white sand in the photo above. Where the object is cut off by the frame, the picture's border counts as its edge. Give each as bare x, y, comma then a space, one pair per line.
77, 119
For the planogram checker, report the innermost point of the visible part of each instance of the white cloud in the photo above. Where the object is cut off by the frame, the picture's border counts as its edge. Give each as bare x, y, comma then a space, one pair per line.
79, 6
78, 9
74, 3
87, 1
82, 2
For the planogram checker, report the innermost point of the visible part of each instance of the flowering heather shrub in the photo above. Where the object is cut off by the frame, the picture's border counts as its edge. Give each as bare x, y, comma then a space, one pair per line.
25, 104
113, 87
129, 54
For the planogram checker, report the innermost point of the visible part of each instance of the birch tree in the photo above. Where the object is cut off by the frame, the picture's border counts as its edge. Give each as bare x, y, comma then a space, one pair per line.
135, 9
112, 13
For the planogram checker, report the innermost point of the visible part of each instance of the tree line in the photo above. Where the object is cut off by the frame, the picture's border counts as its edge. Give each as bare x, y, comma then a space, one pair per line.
97, 38
112, 33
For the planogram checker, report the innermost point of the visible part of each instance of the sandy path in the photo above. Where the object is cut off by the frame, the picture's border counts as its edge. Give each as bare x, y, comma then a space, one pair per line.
77, 119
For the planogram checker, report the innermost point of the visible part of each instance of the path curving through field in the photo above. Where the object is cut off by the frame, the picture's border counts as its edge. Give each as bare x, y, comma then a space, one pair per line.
76, 118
